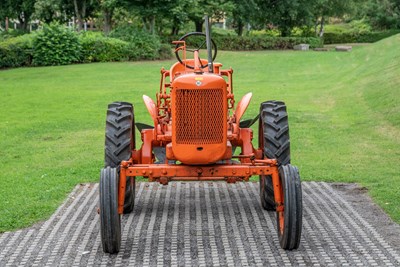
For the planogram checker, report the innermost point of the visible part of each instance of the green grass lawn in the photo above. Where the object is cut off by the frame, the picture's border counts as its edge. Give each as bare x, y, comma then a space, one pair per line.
344, 113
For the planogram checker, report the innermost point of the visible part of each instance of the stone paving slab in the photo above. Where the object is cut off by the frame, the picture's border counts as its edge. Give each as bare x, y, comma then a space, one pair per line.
202, 224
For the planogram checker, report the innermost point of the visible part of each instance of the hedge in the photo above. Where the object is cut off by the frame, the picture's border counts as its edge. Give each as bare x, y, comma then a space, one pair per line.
97, 48
57, 45
354, 37
264, 42
259, 42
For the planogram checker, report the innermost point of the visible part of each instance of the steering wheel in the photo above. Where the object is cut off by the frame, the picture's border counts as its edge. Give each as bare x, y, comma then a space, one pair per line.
194, 44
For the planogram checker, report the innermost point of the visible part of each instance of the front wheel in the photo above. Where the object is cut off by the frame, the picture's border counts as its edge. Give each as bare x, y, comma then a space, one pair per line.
289, 220
110, 220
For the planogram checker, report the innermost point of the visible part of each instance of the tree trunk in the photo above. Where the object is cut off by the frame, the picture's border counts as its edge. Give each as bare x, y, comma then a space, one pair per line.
322, 28
153, 25
199, 25
285, 32
23, 22
175, 29
107, 13
239, 29
144, 24
316, 26
80, 12
78, 15
6, 23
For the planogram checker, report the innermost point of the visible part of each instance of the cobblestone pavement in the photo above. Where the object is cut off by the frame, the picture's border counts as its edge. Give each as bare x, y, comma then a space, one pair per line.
202, 224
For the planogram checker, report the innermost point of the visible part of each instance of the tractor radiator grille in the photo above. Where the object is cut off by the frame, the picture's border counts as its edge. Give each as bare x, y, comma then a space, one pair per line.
199, 116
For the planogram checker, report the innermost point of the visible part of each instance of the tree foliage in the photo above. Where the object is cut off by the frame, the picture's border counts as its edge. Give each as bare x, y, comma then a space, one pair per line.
331, 8
242, 14
20, 10
286, 14
383, 14
157, 16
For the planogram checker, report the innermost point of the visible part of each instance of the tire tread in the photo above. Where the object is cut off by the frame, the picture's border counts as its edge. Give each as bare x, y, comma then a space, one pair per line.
119, 141
274, 129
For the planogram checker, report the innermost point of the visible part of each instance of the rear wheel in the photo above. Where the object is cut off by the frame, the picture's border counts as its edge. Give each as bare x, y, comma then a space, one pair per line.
289, 220
110, 220
274, 139
119, 143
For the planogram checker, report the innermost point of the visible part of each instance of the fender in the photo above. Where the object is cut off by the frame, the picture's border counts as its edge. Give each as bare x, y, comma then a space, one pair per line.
151, 107
242, 106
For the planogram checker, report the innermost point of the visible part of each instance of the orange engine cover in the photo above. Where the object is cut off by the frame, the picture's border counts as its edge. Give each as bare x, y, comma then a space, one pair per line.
199, 118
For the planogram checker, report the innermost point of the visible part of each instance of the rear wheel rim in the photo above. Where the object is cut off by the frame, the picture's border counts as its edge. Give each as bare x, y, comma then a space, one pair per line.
281, 214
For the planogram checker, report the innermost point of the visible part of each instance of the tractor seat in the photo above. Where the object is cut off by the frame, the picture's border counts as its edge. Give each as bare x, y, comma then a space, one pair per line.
178, 68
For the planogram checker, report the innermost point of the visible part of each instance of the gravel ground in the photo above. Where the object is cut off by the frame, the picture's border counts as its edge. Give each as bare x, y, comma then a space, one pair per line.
210, 224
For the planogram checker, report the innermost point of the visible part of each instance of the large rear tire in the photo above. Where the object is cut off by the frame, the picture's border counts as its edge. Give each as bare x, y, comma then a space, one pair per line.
274, 139
119, 143
110, 220
289, 221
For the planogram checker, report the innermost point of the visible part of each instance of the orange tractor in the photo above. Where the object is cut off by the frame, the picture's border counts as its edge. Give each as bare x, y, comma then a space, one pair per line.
196, 129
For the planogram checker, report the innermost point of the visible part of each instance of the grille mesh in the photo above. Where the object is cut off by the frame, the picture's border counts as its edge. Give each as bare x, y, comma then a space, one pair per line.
199, 116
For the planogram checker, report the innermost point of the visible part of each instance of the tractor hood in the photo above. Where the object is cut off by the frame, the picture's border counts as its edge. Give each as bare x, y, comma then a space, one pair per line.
198, 81
199, 118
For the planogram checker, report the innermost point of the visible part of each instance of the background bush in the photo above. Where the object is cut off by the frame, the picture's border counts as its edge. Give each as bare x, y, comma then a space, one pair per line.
55, 45
16, 52
257, 42
165, 51
97, 48
11, 33
144, 45
357, 37
262, 42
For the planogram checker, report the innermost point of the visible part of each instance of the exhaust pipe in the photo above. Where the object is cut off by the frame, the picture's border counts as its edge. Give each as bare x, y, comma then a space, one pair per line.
209, 45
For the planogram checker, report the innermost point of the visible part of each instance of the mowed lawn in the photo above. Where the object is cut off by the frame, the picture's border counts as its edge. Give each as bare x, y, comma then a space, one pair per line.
344, 115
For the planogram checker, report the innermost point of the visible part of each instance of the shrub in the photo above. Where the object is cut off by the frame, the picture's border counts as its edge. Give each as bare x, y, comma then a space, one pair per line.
165, 51
143, 44
97, 48
55, 45
360, 26
11, 33
357, 37
16, 52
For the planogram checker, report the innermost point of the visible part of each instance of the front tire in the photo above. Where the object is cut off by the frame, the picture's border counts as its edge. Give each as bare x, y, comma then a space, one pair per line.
119, 143
274, 139
289, 221
110, 220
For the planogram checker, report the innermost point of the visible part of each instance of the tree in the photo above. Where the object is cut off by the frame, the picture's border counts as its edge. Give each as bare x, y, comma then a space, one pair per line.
21, 10
54, 10
107, 8
178, 15
148, 10
213, 8
81, 8
242, 13
285, 14
383, 14
47, 10
64, 10
330, 8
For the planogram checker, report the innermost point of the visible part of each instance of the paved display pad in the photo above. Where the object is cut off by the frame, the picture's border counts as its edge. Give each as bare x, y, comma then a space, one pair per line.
202, 224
